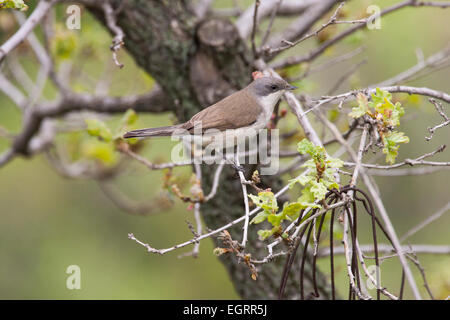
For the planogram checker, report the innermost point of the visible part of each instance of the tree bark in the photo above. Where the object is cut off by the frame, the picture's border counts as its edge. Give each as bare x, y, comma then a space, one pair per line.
197, 63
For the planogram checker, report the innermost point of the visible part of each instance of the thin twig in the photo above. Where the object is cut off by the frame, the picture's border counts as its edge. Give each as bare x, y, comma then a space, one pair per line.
426, 222
38, 13
440, 110
245, 195
289, 44
117, 43
255, 26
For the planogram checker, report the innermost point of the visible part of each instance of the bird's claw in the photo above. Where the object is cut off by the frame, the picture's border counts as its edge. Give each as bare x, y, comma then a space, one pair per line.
238, 168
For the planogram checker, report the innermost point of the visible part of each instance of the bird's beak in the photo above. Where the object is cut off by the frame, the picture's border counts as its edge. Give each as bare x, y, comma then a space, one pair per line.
289, 87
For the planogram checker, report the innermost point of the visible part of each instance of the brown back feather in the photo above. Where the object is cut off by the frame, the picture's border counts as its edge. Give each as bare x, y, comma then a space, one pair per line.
235, 111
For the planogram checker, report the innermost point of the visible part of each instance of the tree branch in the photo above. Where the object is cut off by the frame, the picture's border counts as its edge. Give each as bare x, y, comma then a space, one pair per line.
39, 12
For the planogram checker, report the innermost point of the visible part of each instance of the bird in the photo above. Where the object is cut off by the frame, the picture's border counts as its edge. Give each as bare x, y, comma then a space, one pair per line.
245, 111
226, 124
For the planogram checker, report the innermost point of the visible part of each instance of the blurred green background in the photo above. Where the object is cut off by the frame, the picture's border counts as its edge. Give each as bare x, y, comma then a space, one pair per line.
48, 222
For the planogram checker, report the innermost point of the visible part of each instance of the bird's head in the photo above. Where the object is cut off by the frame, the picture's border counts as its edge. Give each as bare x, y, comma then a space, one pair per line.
269, 89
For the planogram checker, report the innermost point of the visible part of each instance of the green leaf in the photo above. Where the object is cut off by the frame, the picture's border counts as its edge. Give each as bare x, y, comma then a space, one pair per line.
397, 113
381, 102
303, 179
379, 98
330, 184
276, 219
319, 190
97, 128
265, 200
307, 198
260, 217
334, 163
362, 107
100, 150
63, 43
397, 137
309, 164
306, 146
292, 210
264, 234
13, 4
390, 145
129, 118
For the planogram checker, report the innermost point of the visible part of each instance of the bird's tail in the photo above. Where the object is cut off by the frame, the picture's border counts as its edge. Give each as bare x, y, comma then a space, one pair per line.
152, 132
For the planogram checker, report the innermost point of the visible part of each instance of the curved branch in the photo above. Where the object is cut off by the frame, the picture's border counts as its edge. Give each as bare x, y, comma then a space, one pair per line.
288, 7
319, 50
38, 13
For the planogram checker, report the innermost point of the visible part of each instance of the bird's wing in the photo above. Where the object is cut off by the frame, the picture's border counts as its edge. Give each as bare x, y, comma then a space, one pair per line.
235, 111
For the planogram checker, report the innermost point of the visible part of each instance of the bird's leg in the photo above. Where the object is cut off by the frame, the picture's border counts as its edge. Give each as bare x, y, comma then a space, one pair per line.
236, 165
233, 164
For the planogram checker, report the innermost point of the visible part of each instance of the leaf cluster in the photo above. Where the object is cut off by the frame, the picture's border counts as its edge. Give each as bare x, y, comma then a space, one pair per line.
104, 147
13, 4
387, 117
316, 180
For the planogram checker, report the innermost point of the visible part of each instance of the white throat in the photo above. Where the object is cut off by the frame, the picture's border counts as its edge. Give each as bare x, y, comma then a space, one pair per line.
268, 103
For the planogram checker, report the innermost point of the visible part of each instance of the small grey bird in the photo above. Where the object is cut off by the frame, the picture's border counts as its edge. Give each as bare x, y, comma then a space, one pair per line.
246, 110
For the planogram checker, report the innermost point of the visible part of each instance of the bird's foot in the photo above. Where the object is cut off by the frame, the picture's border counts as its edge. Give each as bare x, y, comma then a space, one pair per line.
238, 168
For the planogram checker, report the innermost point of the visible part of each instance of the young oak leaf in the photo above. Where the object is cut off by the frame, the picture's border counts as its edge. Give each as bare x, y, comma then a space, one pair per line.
97, 128
292, 209
334, 163
303, 179
319, 190
101, 151
13, 4
307, 199
390, 142
266, 201
264, 234
306, 146
379, 98
362, 108
397, 113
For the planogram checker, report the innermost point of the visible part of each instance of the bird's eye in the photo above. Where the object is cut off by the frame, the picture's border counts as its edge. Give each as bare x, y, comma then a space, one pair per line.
274, 87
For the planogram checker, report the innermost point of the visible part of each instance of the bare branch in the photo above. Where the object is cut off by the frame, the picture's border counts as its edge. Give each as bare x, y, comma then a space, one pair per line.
245, 195
351, 276
300, 26
386, 248
415, 260
111, 22
288, 44
39, 12
12, 92
321, 49
426, 222
215, 185
155, 101
432, 62
346, 75
411, 162
255, 26
272, 19
405, 89
391, 231
6, 157
202, 8
407, 172
440, 110
288, 7
124, 202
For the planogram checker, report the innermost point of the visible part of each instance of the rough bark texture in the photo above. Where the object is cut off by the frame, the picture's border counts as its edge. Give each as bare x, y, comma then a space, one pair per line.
197, 63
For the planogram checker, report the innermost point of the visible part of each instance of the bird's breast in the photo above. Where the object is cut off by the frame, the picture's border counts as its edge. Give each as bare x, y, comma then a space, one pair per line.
268, 103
